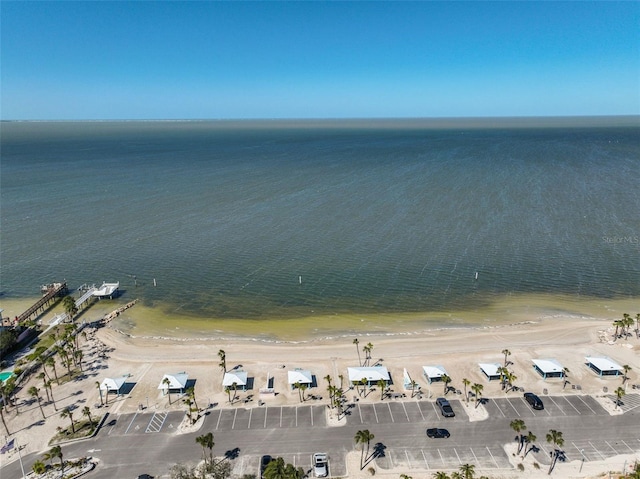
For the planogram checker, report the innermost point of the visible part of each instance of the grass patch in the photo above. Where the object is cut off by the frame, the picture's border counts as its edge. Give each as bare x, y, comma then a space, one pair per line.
82, 429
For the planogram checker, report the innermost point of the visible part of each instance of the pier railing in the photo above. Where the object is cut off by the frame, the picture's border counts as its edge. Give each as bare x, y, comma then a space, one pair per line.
52, 292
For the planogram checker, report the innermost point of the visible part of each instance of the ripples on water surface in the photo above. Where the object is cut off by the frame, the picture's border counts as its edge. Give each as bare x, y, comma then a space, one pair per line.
251, 220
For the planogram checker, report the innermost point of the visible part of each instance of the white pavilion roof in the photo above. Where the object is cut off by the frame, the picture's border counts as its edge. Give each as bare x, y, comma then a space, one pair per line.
433, 372
237, 377
176, 381
300, 376
604, 363
112, 384
548, 365
490, 369
373, 373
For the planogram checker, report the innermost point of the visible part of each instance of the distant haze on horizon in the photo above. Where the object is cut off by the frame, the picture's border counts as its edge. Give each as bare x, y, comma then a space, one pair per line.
316, 60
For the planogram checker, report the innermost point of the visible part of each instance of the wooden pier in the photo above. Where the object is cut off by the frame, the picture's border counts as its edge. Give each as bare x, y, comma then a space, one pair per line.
50, 293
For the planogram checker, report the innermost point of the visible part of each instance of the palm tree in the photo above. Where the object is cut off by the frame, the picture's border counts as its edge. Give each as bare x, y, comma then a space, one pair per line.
341, 378
477, 389
234, 386
440, 475
565, 375
55, 451
69, 305
39, 467
382, 384
206, 441
466, 383
356, 342
297, 386
502, 371
363, 437
191, 393
518, 426
49, 386
329, 388
554, 437
414, 388
100, 391
467, 471
367, 351
626, 369
51, 362
34, 392
167, 383
227, 389
66, 412
189, 403
446, 380
627, 322
509, 379
617, 323
86, 411
530, 439
303, 388
619, 393
4, 423
506, 353
223, 360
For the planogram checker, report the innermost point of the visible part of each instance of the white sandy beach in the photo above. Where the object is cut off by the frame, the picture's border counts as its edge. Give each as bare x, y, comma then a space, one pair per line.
111, 353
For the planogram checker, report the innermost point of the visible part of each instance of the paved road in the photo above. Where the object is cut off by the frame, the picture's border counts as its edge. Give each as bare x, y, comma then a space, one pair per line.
132, 444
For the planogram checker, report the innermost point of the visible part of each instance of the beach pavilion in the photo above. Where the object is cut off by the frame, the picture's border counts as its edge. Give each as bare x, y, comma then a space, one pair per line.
548, 368
604, 366
113, 385
490, 370
239, 378
300, 376
434, 373
371, 375
177, 383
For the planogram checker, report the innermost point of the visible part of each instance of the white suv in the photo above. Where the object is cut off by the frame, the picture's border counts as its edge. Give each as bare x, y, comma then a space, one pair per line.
320, 464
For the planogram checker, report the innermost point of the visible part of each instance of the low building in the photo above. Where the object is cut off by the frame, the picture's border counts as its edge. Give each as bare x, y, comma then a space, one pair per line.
371, 375
604, 366
548, 368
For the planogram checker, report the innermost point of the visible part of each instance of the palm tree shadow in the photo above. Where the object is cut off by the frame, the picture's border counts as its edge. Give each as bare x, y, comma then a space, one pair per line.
232, 453
378, 451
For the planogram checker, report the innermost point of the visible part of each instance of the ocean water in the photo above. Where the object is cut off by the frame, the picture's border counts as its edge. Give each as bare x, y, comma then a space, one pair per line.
287, 219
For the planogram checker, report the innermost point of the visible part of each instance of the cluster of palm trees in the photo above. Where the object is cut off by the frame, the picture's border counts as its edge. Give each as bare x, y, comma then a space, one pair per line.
553, 437
364, 438
336, 395
507, 378
55, 452
366, 349
466, 471
476, 388
624, 325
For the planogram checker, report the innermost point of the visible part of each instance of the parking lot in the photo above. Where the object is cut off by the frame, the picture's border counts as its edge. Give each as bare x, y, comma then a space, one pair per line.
143, 423
268, 417
517, 407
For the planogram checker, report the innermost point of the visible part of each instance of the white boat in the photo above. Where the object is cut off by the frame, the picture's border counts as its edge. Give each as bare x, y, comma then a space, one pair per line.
107, 290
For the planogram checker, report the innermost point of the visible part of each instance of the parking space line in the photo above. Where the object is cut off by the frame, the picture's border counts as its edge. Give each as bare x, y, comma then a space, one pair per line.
375, 413
420, 409
406, 454
557, 405
249, 425
474, 455
630, 448
233, 424
219, 416
595, 449
296, 416
311, 412
583, 401
565, 398
433, 405
425, 458
405, 412
441, 458
390, 413
280, 416
492, 458
454, 450
615, 451
499, 408
133, 419
266, 413
360, 412
513, 407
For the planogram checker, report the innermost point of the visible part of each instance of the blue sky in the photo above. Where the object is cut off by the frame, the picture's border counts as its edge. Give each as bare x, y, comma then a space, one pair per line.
139, 60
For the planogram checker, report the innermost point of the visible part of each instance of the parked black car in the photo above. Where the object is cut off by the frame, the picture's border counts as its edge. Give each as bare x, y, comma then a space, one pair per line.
534, 401
438, 433
445, 407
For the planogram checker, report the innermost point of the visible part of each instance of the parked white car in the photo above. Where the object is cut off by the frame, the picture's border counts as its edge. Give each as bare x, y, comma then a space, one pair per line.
320, 461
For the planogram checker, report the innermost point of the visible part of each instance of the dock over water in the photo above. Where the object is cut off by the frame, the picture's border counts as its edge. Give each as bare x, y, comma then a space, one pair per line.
51, 291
